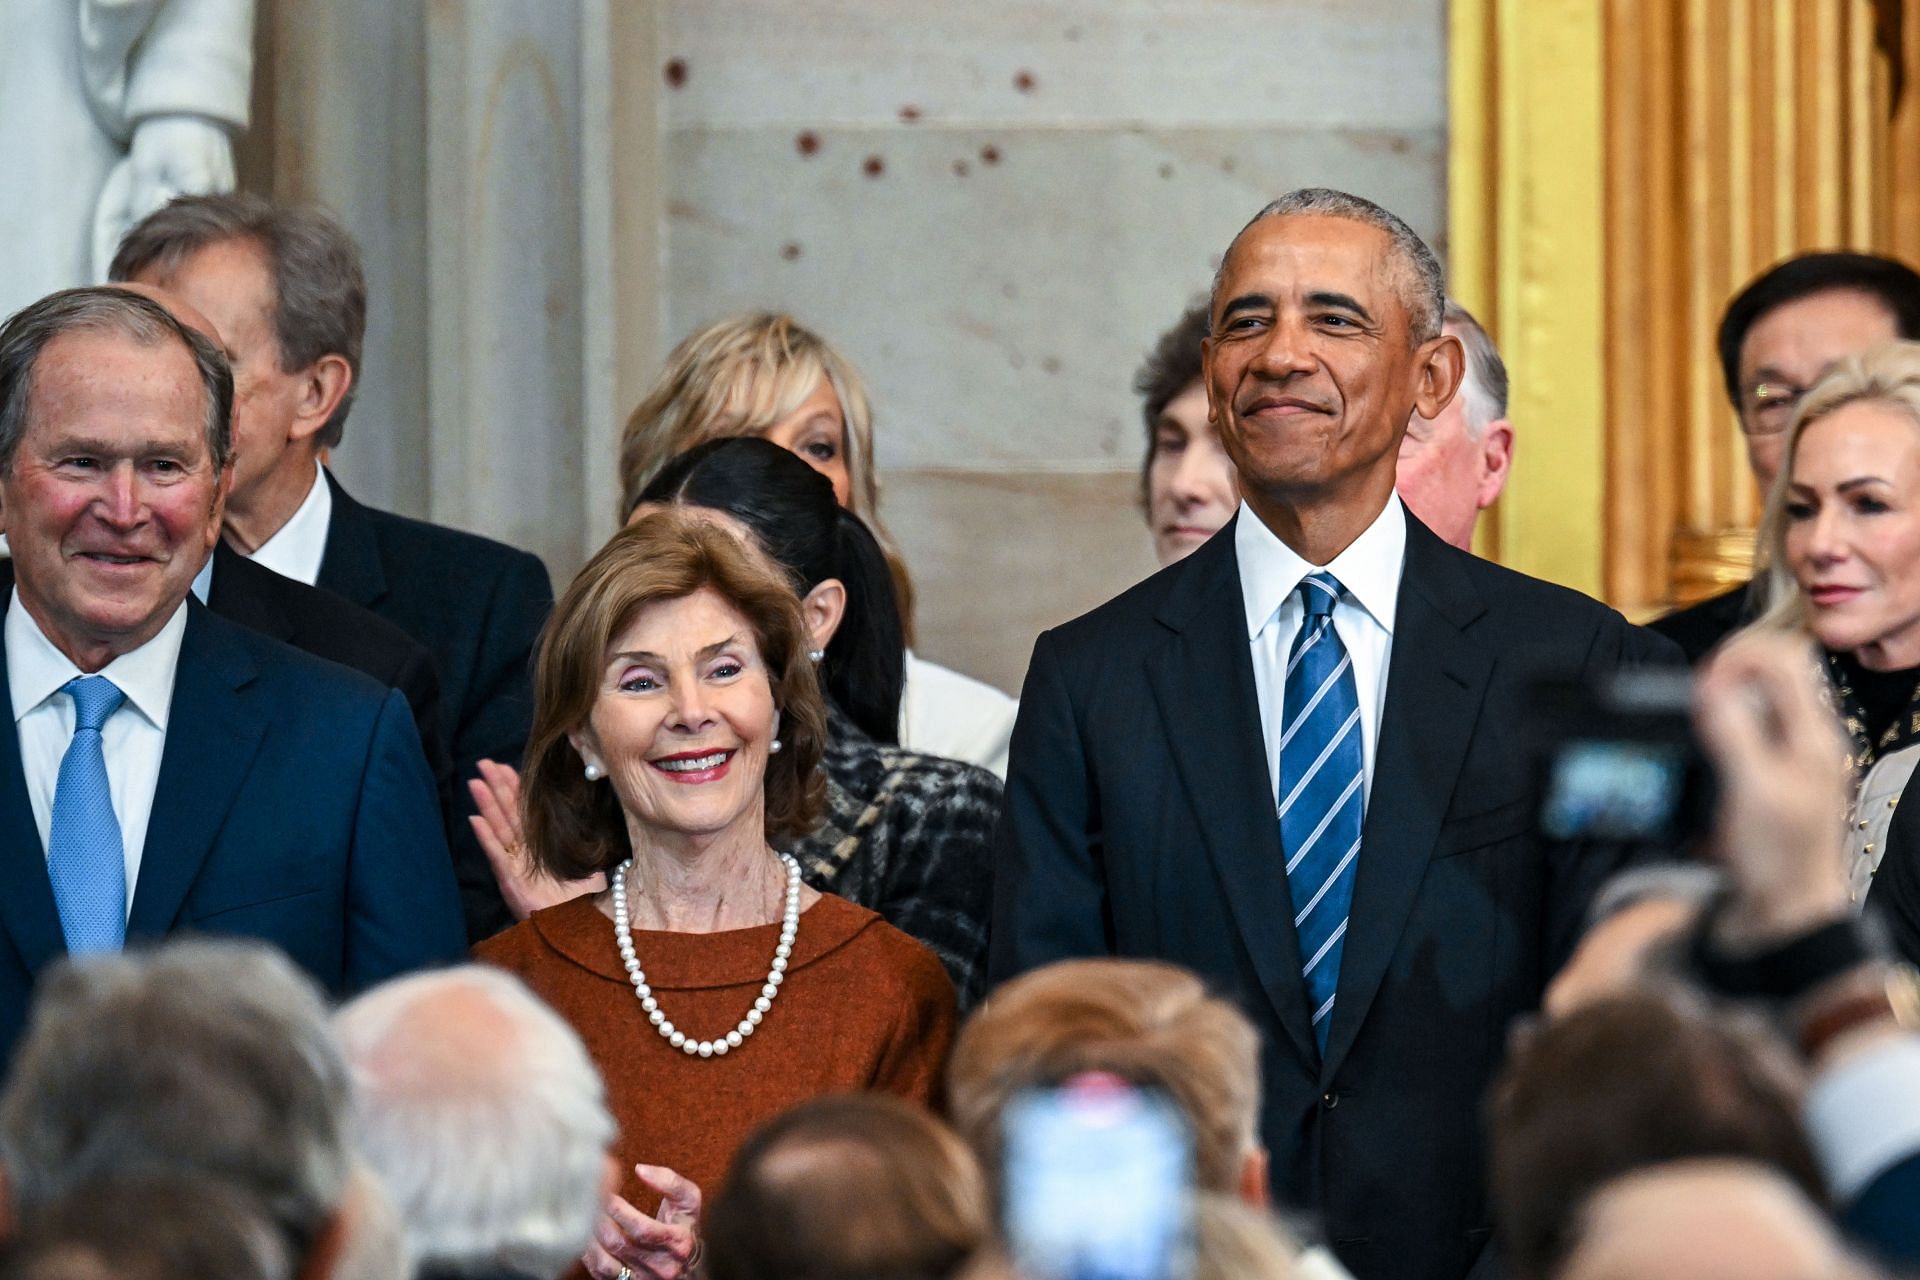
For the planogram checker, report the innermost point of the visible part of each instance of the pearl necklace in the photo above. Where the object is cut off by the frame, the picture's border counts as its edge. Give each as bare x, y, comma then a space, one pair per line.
623, 931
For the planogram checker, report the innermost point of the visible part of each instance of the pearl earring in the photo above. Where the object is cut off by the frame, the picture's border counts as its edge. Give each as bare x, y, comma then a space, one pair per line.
816, 654
595, 772
774, 746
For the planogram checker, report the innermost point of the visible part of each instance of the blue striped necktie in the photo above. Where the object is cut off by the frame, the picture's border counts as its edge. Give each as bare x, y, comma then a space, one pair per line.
85, 859
1320, 792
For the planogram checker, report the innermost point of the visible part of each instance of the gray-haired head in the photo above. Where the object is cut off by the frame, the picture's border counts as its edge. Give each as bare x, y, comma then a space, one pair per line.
1485, 385
198, 1058
484, 1116
1423, 285
319, 288
103, 309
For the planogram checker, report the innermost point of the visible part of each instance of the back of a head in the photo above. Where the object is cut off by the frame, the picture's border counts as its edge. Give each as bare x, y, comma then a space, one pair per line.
791, 512
196, 1059
148, 1229
484, 1117
1892, 282
1151, 1024
1706, 1220
1622, 1084
853, 1187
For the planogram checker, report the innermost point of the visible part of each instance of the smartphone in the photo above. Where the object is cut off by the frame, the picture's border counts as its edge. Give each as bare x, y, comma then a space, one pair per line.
1097, 1183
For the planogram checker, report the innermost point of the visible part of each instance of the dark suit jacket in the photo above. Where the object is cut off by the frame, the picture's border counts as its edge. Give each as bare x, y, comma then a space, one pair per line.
1885, 1216
293, 806
326, 626
1699, 628
1140, 821
1894, 895
477, 605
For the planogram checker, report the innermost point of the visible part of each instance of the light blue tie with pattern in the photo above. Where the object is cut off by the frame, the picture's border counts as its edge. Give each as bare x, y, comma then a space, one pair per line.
85, 859
1321, 796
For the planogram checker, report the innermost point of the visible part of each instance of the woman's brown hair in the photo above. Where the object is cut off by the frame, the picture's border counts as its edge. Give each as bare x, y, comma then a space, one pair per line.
575, 827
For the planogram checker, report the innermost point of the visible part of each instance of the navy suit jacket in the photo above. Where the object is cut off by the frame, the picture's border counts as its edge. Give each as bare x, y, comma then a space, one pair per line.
293, 806
1140, 821
478, 606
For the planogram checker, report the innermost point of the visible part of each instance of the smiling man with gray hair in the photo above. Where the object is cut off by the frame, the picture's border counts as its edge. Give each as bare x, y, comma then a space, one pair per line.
486, 1119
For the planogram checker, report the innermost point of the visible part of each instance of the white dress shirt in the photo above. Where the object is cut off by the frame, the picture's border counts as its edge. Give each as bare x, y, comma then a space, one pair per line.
1369, 570
133, 738
298, 546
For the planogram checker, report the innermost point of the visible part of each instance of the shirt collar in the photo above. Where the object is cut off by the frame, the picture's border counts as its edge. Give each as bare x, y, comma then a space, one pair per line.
298, 546
36, 670
1369, 569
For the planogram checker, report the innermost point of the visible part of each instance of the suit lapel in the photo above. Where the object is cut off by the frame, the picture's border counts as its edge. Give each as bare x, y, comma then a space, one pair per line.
350, 566
1436, 680
213, 731
1203, 681
27, 908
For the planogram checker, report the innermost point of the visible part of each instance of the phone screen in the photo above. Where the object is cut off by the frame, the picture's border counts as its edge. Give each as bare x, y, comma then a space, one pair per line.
1614, 790
1097, 1183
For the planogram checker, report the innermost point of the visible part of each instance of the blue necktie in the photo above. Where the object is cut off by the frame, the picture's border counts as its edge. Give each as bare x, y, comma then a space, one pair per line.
1320, 792
85, 860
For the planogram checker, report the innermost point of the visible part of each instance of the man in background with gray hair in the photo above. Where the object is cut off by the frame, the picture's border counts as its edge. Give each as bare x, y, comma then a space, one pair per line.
479, 1108
198, 1059
1454, 465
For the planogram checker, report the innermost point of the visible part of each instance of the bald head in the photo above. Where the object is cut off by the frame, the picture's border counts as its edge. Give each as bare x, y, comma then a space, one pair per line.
484, 1116
1706, 1220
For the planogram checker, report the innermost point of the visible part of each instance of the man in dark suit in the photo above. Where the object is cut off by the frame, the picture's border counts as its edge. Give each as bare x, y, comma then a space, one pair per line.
1292, 761
284, 287
168, 769
1792, 322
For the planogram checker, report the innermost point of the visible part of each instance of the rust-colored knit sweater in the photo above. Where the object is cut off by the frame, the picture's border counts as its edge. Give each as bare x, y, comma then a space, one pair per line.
863, 1006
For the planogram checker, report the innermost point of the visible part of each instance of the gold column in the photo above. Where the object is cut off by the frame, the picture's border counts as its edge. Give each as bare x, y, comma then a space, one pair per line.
1525, 231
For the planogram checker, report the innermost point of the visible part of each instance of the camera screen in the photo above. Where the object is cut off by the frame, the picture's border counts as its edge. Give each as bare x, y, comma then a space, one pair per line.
1614, 790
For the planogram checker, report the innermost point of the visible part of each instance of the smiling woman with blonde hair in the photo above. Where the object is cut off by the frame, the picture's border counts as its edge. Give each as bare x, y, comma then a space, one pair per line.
1840, 550
677, 734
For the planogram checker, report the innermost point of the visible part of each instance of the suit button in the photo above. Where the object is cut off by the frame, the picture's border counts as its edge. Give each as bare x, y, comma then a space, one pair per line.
1329, 1100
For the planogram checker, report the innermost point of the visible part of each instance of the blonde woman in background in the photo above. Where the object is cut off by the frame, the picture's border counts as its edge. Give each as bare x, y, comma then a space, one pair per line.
764, 374
1840, 550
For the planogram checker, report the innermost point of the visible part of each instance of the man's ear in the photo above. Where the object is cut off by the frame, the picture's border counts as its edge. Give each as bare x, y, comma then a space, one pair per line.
1496, 461
824, 607
323, 385
1206, 379
1442, 364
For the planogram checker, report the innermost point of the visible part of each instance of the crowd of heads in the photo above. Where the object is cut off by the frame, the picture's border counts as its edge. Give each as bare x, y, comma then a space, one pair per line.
199, 1108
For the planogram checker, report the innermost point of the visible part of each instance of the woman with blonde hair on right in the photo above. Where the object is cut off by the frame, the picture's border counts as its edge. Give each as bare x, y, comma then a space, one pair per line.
1840, 556
765, 374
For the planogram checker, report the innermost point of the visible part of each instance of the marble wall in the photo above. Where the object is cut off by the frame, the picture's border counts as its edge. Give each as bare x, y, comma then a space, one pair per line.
993, 206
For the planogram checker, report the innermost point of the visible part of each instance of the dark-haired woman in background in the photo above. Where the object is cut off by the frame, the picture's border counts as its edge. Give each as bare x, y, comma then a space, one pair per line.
904, 834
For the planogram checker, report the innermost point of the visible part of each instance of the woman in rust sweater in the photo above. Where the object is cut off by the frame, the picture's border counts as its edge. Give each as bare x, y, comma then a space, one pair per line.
677, 730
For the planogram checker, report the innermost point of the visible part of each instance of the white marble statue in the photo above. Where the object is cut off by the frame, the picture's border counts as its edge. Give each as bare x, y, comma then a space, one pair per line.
109, 108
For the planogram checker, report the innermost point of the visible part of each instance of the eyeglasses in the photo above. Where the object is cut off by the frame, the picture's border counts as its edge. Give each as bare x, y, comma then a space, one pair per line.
1767, 407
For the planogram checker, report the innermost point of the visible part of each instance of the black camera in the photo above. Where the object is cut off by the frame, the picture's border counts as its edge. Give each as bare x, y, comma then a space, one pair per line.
1618, 758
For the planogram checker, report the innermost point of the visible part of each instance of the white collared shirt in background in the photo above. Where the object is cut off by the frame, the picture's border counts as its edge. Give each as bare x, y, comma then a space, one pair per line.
1369, 570
133, 739
298, 546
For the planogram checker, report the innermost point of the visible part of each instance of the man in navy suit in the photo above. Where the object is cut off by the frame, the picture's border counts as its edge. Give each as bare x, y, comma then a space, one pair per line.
284, 286
170, 770
1290, 762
